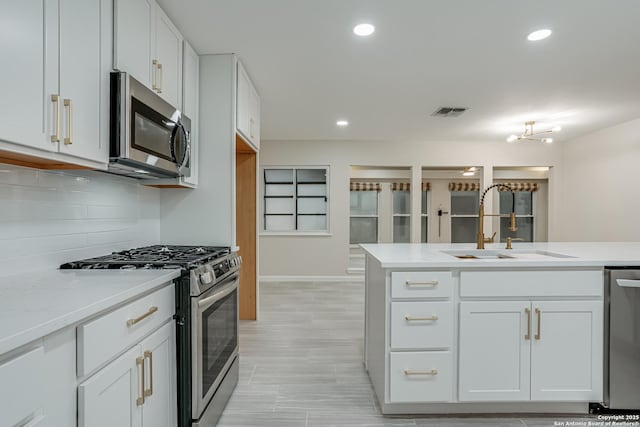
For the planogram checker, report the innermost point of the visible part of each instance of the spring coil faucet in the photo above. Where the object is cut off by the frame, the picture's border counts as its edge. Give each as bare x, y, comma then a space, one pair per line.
512, 223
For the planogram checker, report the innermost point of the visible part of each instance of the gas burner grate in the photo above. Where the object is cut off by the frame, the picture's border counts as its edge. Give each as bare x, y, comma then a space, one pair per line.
153, 257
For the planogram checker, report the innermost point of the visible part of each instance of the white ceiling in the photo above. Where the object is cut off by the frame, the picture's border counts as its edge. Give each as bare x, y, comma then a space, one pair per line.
310, 69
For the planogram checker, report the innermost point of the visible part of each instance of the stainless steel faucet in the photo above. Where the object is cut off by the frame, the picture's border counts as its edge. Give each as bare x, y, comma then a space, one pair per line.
512, 224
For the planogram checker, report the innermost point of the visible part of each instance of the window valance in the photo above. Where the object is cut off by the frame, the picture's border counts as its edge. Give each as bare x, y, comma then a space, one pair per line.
464, 186
520, 186
365, 186
400, 186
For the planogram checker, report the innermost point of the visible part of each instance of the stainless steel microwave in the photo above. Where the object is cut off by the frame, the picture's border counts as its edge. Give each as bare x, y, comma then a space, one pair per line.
149, 138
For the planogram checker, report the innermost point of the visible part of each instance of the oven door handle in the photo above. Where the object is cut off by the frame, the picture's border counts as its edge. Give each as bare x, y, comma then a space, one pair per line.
218, 295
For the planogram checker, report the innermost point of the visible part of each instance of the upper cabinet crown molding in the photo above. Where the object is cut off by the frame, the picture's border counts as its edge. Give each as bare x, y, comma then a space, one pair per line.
247, 108
58, 86
149, 47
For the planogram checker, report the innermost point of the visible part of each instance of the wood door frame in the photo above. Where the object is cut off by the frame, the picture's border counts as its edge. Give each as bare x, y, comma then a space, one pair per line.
247, 226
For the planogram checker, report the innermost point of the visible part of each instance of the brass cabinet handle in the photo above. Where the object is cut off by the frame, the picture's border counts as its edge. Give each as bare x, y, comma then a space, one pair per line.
160, 79
528, 313
132, 322
140, 400
56, 101
69, 106
148, 392
539, 313
251, 127
427, 283
412, 372
409, 318
154, 74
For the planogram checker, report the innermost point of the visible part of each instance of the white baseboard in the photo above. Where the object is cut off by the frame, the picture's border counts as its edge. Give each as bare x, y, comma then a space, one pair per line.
354, 278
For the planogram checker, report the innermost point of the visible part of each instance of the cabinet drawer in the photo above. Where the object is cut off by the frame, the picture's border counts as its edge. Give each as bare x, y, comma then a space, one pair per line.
106, 336
421, 377
22, 381
532, 283
421, 284
421, 324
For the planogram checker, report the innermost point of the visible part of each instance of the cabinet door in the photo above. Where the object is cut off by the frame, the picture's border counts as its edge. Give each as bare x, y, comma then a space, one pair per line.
159, 352
108, 398
169, 55
494, 353
29, 76
134, 24
190, 99
254, 117
566, 351
242, 103
84, 77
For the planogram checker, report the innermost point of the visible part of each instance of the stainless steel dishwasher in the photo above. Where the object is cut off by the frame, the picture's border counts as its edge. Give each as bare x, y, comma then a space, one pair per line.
622, 338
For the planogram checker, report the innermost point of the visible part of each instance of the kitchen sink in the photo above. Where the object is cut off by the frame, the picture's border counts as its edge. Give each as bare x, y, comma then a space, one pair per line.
504, 254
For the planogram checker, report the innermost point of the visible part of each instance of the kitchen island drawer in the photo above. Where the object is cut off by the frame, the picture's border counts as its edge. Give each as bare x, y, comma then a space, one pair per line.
103, 338
532, 283
421, 284
421, 377
421, 325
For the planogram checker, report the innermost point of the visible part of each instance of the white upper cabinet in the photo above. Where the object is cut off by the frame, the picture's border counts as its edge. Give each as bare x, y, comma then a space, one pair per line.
169, 60
247, 108
30, 76
55, 94
134, 38
84, 77
149, 47
190, 107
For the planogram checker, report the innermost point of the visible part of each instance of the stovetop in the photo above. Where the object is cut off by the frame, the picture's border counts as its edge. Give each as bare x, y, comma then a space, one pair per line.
153, 257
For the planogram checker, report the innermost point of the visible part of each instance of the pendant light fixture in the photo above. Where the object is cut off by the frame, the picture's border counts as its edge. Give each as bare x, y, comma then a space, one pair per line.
532, 135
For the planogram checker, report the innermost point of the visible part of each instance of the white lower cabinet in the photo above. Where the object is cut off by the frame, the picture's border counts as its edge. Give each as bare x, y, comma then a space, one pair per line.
138, 389
421, 376
109, 397
531, 350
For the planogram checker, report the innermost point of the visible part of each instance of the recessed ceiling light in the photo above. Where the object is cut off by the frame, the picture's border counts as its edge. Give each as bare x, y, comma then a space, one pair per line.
342, 123
539, 35
547, 140
363, 29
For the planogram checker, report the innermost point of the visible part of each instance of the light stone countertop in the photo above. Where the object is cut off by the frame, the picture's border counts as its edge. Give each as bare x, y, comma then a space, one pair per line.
37, 304
576, 254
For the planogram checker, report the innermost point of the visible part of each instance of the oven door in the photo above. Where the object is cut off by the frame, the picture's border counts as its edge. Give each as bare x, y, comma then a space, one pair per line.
214, 325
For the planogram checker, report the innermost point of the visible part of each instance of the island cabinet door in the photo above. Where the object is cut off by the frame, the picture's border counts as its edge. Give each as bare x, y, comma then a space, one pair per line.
494, 351
566, 351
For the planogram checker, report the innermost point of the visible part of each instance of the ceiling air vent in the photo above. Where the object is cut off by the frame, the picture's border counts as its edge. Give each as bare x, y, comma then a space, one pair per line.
449, 111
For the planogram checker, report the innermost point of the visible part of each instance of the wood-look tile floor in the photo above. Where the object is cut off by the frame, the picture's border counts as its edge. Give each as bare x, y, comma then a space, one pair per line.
301, 366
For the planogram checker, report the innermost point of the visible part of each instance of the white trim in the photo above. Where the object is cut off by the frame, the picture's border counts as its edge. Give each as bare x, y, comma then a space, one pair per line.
355, 270
311, 278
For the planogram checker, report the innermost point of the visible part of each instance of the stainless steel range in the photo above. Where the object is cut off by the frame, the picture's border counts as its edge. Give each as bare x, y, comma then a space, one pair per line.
206, 321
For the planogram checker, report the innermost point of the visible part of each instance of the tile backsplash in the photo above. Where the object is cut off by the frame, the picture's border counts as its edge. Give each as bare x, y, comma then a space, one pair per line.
51, 217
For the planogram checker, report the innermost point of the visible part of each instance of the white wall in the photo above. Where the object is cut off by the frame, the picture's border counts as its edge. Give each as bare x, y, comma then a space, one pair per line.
329, 255
600, 194
51, 217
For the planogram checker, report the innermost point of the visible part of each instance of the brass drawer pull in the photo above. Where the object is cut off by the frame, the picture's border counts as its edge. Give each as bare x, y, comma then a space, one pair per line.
539, 313
416, 283
412, 372
69, 105
154, 75
140, 400
160, 79
149, 392
528, 313
409, 318
56, 135
132, 322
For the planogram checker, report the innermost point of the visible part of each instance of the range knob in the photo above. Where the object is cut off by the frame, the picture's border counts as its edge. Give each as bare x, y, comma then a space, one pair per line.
206, 278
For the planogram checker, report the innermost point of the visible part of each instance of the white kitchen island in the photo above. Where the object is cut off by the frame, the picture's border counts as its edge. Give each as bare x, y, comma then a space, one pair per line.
518, 330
